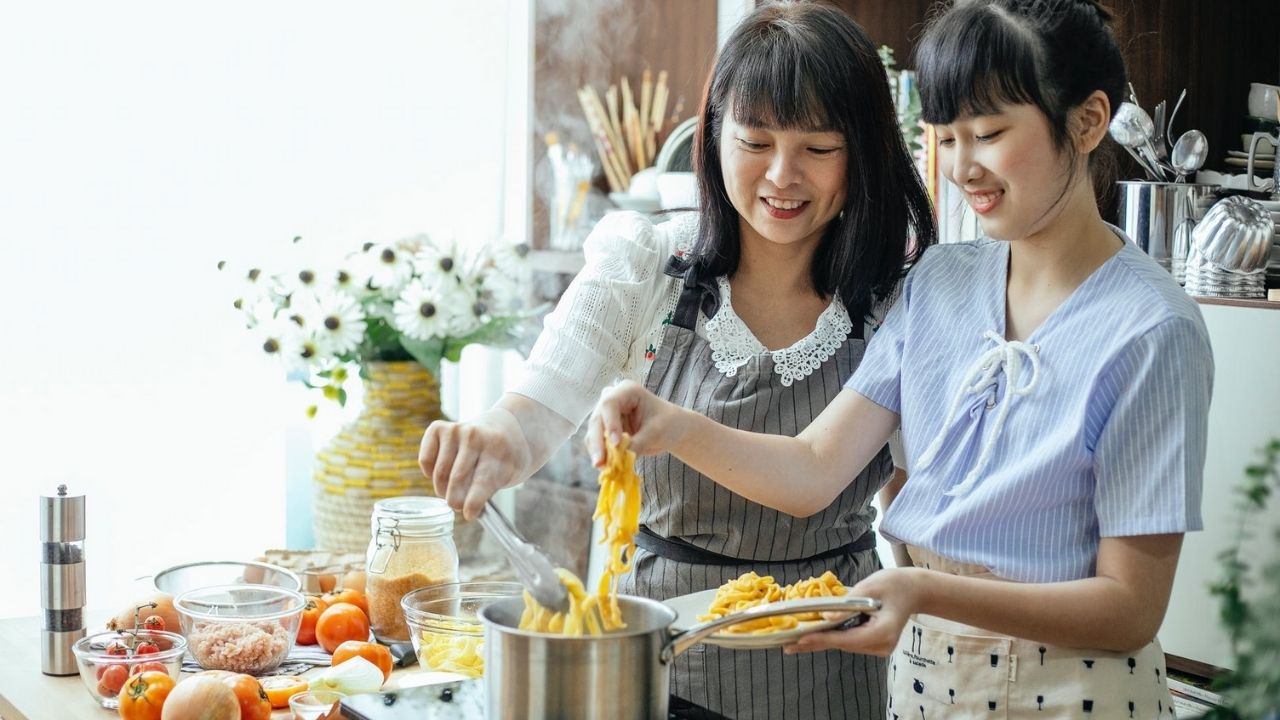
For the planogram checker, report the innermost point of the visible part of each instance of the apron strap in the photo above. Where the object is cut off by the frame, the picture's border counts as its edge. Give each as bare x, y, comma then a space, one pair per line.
696, 294
686, 552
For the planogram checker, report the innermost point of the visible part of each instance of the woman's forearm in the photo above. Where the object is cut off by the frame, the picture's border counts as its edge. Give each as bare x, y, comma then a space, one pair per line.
797, 475
542, 430
1118, 610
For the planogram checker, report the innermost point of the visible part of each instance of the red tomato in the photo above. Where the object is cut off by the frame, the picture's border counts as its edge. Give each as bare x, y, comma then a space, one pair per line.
112, 679
146, 647
143, 696
377, 654
254, 704
310, 614
340, 623
153, 622
151, 666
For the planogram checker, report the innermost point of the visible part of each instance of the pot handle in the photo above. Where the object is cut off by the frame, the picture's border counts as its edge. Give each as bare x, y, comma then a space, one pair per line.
686, 639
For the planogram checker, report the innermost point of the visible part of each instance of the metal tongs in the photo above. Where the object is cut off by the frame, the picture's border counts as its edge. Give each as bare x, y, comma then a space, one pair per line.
532, 567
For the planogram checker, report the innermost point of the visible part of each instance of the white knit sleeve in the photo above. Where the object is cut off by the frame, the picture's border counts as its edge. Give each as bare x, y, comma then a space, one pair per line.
586, 340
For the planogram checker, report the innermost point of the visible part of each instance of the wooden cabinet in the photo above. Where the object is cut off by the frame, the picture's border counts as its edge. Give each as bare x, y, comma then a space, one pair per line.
1213, 48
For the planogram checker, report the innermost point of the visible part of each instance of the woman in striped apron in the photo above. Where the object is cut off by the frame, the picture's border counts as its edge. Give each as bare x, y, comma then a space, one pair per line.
752, 310
1052, 385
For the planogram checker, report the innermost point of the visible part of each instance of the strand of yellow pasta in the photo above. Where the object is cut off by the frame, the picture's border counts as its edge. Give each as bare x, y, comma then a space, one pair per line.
618, 505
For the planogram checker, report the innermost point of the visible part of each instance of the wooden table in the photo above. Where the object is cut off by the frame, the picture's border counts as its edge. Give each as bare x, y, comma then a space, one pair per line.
28, 694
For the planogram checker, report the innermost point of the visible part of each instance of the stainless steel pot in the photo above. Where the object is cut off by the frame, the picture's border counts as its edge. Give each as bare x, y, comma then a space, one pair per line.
536, 676
1159, 216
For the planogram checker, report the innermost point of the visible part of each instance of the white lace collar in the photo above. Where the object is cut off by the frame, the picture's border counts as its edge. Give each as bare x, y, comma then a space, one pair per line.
733, 345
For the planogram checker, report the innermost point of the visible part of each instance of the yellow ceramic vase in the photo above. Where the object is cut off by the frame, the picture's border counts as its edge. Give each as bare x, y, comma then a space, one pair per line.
376, 456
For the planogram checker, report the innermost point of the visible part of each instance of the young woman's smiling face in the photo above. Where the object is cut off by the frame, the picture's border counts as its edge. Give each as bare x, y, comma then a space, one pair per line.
787, 185
1008, 167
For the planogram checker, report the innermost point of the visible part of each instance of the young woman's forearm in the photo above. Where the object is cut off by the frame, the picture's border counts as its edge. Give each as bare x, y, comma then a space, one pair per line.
799, 475
1118, 610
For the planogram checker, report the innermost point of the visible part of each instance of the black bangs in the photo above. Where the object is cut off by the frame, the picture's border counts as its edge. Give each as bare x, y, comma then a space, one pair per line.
973, 61
778, 85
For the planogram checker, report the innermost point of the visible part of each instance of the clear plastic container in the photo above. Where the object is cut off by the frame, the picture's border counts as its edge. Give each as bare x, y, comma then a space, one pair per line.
411, 548
447, 634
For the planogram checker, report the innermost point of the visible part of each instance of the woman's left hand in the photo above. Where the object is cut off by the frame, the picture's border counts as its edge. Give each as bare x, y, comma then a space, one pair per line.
898, 590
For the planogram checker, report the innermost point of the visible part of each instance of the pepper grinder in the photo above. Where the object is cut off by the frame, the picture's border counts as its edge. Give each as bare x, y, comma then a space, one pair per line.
62, 586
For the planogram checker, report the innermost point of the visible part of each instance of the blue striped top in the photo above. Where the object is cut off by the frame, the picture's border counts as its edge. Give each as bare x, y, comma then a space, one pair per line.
1103, 434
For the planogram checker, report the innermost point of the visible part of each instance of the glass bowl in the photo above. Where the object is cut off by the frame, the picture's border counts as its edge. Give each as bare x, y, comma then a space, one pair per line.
240, 628
447, 634
104, 674
314, 704
190, 576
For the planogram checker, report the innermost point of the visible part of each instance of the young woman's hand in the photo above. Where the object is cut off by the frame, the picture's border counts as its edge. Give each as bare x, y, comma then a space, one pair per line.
654, 424
898, 591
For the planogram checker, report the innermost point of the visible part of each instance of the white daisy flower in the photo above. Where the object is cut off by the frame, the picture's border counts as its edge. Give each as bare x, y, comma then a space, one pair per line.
425, 310
388, 268
439, 260
275, 336
341, 323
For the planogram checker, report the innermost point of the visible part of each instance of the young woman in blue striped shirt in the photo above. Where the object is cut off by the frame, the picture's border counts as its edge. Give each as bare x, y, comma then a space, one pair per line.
1052, 384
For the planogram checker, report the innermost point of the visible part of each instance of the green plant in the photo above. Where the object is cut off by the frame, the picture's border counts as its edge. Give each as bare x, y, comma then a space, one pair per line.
1249, 604
906, 100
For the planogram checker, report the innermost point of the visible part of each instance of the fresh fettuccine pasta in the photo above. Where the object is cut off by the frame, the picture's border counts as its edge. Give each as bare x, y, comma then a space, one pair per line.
751, 589
619, 507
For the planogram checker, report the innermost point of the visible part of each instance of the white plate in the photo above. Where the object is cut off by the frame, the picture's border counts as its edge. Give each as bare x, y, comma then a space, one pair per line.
690, 606
1257, 164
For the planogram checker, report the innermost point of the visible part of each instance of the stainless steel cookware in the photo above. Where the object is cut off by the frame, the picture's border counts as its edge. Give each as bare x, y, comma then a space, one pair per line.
623, 674
1159, 216
1236, 234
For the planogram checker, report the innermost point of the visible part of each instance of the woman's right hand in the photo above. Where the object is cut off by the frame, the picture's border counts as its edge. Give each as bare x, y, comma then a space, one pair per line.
470, 461
654, 424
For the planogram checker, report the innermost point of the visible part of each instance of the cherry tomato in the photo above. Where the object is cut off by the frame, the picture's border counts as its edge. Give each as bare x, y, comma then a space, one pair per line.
377, 654
146, 647
143, 695
153, 622
279, 688
340, 623
310, 614
151, 666
112, 679
349, 595
117, 647
102, 669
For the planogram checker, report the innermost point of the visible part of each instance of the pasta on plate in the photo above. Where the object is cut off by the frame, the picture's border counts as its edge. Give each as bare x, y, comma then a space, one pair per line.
750, 589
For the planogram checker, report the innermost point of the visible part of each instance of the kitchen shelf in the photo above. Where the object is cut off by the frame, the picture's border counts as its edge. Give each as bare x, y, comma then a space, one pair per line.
1234, 302
563, 262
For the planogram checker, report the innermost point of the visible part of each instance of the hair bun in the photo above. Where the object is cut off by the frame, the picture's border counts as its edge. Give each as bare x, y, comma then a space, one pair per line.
1103, 14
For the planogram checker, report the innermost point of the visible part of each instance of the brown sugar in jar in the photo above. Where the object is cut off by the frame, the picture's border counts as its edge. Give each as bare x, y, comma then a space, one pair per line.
412, 547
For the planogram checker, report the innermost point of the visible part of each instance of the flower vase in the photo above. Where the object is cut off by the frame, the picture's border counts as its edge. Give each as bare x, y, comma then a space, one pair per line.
376, 455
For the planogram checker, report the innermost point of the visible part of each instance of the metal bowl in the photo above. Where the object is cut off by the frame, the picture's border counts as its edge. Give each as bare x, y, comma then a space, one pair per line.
190, 576
1236, 234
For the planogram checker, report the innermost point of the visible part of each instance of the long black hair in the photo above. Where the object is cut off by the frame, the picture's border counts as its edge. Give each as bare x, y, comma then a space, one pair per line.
982, 54
809, 66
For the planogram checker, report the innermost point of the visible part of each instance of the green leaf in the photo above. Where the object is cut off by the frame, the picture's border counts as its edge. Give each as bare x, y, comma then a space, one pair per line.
342, 397
428, 353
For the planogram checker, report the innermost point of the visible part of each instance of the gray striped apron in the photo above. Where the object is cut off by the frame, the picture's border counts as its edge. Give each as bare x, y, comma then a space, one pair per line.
698, 535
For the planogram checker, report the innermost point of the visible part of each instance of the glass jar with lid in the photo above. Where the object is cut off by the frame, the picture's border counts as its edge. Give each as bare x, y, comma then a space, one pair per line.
412, 547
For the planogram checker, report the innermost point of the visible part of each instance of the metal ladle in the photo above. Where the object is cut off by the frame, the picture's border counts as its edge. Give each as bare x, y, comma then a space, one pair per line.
533, 569
1189, 153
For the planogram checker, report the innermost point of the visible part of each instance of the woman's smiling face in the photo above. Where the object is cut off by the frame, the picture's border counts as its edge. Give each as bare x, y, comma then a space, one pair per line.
787, 185
1007, 165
